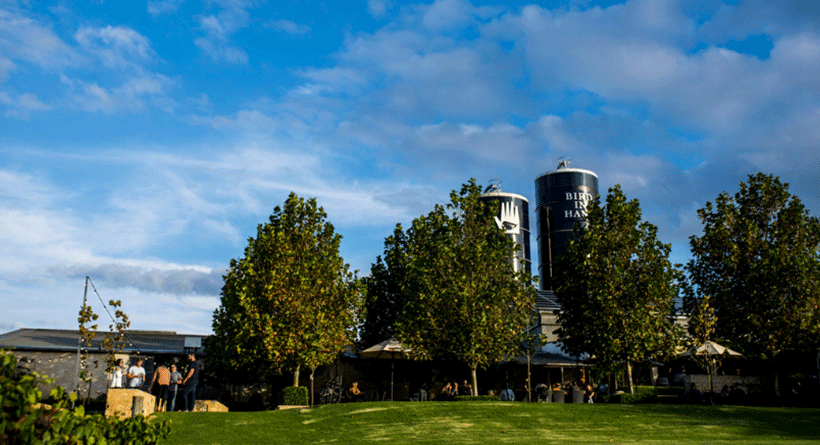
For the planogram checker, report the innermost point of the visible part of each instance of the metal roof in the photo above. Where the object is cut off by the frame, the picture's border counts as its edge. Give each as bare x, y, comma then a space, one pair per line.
549, 359
146, 342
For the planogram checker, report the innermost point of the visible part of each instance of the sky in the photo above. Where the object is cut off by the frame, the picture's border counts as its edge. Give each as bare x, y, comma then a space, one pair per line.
142, 143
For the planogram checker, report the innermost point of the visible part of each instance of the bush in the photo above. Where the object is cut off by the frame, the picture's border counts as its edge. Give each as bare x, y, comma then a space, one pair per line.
646, 394
633, 398
293, 395
23, 420
476, 399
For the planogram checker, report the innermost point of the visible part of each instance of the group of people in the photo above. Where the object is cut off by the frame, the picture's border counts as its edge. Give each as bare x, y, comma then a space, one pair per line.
165, 383
452, 389
577, 392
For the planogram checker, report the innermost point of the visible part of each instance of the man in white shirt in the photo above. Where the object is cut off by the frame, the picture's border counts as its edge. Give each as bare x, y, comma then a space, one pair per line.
136, 375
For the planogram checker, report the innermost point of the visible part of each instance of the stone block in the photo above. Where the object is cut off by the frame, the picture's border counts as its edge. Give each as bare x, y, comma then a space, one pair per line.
211, 406
120, 402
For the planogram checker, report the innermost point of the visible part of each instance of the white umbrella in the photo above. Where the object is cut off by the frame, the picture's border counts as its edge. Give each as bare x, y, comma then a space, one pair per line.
391, 349
710, 348
711, 351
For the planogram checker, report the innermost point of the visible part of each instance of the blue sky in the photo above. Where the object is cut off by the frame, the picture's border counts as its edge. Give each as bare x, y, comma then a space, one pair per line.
141, 143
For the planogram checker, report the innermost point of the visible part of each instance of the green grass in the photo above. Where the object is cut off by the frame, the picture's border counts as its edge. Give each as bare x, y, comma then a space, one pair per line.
455, 423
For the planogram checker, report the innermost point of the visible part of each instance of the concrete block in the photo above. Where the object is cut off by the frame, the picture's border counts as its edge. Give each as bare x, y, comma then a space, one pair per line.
120, 402
211, 406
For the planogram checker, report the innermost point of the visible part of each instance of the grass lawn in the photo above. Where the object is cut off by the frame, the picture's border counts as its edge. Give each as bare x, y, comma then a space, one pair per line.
499, 422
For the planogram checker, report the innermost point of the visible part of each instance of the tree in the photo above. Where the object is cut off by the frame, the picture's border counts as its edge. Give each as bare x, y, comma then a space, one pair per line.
464, 300
291, 301
617, 288
701, 329
113, 341
758, 261
385, 299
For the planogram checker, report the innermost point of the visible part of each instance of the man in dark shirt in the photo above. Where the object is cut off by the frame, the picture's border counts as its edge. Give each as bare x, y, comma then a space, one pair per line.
191, 381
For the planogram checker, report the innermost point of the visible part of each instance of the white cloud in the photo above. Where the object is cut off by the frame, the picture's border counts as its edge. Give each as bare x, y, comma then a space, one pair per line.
117, 47
22, 38
6, 66
135, 94
497, 143
21, 105
160, 7
290, 27
252, 121
217, 42
378, 8
447, 14
219, 51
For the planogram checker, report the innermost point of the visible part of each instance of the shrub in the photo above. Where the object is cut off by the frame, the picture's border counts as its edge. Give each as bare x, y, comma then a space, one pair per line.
646, 394
633, 398
476, 399
23, 420
293, 395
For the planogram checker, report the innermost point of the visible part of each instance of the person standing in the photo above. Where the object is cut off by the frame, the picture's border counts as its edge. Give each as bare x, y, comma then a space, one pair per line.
159, 385
191, 381
116, 374
173, 385
589, 395
136, 375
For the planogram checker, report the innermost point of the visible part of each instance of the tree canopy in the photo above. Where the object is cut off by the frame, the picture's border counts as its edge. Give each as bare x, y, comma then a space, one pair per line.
385, 298
463, 298
617, 288
758, 262
291, 301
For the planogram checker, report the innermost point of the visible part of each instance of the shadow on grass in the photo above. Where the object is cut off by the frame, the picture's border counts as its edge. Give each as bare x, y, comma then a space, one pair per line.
499, 422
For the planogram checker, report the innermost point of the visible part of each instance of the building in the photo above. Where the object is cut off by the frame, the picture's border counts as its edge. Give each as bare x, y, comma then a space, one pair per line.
55, 353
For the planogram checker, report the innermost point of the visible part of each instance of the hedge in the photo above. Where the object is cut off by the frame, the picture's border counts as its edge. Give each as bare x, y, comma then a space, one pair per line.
293, 395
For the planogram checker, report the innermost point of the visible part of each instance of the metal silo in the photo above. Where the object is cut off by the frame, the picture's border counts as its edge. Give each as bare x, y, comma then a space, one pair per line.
514, 218
561, 199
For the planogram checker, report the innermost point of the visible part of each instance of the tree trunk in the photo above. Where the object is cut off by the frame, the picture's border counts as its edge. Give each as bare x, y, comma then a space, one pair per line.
629, 377
296, 375
712, 371
474, 374
312, 370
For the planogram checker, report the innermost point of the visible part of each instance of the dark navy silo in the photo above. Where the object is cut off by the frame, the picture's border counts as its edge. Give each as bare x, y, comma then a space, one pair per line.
561, 199
514, 218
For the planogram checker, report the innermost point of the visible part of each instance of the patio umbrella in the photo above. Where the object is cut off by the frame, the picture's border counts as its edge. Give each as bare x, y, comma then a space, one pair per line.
710, 351
711, 348
390, 349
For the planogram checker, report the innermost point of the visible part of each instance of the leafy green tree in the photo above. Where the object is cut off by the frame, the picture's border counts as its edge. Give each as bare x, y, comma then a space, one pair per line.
385, 298
464, 300
291, 301
617, 288
758, 261
113, 341
701, 328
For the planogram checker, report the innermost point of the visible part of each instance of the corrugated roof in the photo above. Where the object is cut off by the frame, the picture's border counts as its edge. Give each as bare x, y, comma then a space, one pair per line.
549, 359
153, 342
